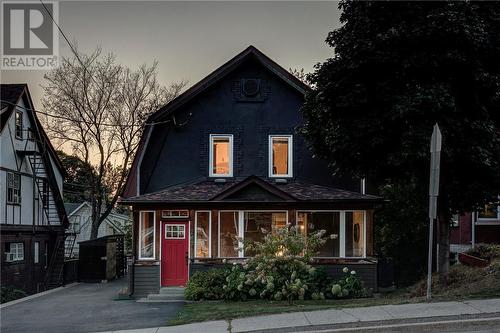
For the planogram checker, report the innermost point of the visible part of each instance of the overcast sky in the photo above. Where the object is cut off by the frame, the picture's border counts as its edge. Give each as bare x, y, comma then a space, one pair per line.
191, 39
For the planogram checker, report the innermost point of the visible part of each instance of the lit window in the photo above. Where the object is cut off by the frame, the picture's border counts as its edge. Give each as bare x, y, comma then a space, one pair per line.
174, 214
489, 212
345, 231
203, 233
146, 235
221, 155
228, 233
354, 234
257, 222
13, 188
19, 124
280, 156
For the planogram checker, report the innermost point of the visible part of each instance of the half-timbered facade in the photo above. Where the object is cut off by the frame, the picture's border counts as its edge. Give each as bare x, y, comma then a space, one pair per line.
224, 161
32, 215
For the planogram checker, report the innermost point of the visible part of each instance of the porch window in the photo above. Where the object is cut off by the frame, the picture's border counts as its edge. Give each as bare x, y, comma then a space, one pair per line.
221, 155
175, 214
280, 156
309, 222
257, 222
228, 232
147, 235
345, 231
13, 188
202, 236
19, 125
354, 234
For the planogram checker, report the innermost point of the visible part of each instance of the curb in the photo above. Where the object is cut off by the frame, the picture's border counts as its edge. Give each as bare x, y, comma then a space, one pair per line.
27, 298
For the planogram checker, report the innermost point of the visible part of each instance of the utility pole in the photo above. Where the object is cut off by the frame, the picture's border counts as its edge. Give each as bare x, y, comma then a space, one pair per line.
433, 195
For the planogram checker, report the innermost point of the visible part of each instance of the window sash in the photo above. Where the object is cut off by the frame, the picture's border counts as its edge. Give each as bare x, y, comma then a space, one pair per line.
289, 140
36, 253
212, 157
342, 234
142, 236
19, 125
13, 188
17, 249
209, 236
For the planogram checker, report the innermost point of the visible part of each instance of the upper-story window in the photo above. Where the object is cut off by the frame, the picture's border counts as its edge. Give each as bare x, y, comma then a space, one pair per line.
280, 156
13, 188
490, 211
19, 124
221, 155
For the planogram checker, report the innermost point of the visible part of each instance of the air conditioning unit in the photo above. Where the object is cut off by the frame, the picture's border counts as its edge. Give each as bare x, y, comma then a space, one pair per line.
9, 257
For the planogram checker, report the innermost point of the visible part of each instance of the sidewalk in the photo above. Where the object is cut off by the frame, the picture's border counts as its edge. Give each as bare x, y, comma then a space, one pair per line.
328, 319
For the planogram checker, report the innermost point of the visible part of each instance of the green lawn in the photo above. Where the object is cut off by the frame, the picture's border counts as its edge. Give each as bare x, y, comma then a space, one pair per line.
215, 310
203, 311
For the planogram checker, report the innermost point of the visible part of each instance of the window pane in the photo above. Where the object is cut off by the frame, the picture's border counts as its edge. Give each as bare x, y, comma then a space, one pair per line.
354, 238
221, 156
36, 255
488, 212
256, 221
147, 235
280, 156
310, 222
202, 234
228, 226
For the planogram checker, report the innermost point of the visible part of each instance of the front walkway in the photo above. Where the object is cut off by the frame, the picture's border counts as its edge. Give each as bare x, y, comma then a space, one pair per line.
444, 312
86, 307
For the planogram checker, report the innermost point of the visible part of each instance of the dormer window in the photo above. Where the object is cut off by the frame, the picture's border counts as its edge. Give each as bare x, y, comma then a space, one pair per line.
221, 155
280, 156
19, 125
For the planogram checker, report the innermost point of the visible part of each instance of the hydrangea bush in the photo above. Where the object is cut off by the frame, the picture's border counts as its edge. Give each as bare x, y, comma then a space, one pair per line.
280, 269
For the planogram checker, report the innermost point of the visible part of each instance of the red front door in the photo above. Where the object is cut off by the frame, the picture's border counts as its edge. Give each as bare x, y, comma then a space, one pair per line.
174, 253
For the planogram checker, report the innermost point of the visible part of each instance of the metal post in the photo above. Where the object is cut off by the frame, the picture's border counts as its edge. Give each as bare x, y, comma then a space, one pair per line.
429, 259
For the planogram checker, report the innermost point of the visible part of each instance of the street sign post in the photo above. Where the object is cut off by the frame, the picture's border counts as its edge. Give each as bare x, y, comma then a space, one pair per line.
433, 195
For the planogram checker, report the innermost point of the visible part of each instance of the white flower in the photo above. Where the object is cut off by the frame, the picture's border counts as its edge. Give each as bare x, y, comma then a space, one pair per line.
224, 261
353, 272
345, 270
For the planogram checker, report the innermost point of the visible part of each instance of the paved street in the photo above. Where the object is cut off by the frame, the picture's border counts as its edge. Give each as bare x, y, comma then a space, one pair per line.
84, 308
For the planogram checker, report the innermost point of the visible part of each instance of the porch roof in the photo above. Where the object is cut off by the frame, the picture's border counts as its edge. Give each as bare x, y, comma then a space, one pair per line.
208, 190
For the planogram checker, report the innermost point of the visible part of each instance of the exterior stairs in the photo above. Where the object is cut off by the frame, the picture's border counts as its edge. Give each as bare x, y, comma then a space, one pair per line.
166, 295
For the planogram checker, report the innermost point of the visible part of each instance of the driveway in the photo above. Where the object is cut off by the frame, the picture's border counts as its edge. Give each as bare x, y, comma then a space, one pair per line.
85, 308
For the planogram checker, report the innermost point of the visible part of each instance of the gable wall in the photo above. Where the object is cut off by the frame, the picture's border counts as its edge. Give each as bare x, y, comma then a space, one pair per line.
174, 156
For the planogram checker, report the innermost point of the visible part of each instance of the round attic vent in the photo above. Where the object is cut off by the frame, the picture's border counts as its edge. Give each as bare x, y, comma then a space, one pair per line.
251, 87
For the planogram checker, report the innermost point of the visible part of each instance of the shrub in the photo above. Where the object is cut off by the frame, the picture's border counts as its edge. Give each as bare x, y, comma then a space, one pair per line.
485, 251
206, 285
349, 286
11, 293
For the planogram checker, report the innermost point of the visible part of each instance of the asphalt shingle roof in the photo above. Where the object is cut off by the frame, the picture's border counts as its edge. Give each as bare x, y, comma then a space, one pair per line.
205, 190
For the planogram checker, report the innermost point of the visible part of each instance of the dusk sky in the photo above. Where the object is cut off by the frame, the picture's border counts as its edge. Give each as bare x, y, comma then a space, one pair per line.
191, 39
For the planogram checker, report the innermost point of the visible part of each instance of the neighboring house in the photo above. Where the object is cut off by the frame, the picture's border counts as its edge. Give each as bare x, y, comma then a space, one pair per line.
473, 228
80, 223
223, 160
32, 215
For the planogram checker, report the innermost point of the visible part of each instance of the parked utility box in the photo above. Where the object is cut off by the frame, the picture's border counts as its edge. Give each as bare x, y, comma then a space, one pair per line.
101, 259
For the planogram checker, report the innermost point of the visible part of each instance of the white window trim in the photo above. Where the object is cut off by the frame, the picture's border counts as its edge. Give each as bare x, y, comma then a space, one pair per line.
290, 155
175, 225
211, 155
488, 220
175, 217
209, 232
341, 230
17, 257
140, 235
241, 227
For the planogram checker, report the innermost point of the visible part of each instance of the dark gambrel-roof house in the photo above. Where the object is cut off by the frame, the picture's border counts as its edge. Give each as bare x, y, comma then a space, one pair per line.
224, 160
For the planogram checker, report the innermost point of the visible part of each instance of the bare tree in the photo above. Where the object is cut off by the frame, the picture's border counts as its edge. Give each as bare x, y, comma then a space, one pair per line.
99, 107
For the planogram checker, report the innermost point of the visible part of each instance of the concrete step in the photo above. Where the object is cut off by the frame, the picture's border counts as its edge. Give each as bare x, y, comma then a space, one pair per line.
165, 297
172, 290
147, 300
